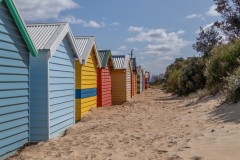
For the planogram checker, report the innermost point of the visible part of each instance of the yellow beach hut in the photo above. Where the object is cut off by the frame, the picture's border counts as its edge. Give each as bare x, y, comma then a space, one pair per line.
86, 76
121, 79
133, 65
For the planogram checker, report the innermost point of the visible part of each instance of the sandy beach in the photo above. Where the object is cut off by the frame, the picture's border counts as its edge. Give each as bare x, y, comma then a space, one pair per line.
152, 126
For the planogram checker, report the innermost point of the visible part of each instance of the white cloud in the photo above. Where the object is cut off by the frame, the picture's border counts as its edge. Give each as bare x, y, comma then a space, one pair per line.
212, 12
221, 33
192, 16
122, 48
160, 43
115, 24
206, 27
135, 29
44, 9
36, 10
94, 24
142, 57
74, 20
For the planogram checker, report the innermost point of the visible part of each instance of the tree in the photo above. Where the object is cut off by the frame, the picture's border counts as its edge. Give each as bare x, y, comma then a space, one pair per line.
230, 12
207, 39
176, 65
192, 76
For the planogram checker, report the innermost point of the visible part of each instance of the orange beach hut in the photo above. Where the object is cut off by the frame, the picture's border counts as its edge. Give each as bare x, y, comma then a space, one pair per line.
121, 79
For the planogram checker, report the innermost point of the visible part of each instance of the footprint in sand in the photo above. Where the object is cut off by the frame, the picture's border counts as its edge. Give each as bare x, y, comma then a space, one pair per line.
175, 157
131, 154
197, 158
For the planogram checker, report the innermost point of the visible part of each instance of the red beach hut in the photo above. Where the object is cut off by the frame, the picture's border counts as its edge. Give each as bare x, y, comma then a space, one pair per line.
104, 90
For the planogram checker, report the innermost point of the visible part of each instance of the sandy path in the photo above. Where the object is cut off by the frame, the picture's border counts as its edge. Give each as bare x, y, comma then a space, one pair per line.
152, 125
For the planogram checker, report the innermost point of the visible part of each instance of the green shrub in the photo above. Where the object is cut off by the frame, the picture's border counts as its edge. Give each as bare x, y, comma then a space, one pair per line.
232, 88
172, 82
223, 61
192, 76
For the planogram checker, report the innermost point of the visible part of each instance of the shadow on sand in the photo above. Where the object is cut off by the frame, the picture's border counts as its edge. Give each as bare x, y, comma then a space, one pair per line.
228, 113
168, 98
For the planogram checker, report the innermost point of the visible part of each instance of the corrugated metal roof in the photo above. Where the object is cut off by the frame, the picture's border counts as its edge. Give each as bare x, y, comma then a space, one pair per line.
133, 64
50, 35
147, 74
42, 33
84, 45
139, 70
104, 57
120, 61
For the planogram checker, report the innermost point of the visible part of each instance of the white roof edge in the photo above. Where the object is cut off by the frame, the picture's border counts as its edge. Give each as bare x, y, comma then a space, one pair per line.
58, 36
90, 45
126, 62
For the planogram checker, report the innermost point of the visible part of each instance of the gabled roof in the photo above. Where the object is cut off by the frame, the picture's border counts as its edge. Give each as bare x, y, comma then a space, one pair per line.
139, 70
85, 44
20, 25
133, 64
147, 74
121, 61
48, 36
104, 57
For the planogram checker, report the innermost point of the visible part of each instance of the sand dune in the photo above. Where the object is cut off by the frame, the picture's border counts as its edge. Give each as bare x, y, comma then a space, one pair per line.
152, 126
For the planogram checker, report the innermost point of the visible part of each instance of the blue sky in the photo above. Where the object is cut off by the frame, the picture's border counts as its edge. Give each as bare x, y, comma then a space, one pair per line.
157, 30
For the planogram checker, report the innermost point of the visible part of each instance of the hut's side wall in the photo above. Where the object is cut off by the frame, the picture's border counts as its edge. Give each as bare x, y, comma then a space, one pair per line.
128, 84
119, 91
143, 82
139, 83
86, 86
61, 89
135, 83
14, 86
104, 87
132, 86
39, 98
146, 83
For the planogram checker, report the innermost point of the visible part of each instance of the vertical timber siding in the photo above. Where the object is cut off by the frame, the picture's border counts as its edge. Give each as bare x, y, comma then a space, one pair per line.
14, 86
86, 82
104, 87
61, 89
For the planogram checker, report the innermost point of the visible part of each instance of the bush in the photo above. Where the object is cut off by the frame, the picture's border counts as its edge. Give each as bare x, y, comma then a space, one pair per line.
232, 88
223, 61
192, 76
172, 82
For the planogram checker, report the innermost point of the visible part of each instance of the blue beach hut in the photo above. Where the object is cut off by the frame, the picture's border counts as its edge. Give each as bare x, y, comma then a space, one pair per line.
52, 80
15, 49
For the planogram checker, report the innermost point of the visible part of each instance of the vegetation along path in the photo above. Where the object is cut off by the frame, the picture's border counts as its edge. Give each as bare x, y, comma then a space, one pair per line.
153, 125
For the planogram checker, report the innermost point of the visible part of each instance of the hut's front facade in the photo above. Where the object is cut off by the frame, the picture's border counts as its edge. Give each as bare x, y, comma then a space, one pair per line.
104, 85
15, 49
52, 80
133, 76
147, 78
121, 79
143, 79
86, 75
132, 83
139, 80
135, 83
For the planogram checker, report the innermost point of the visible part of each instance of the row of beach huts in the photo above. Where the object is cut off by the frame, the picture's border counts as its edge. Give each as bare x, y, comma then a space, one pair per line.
49, 79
